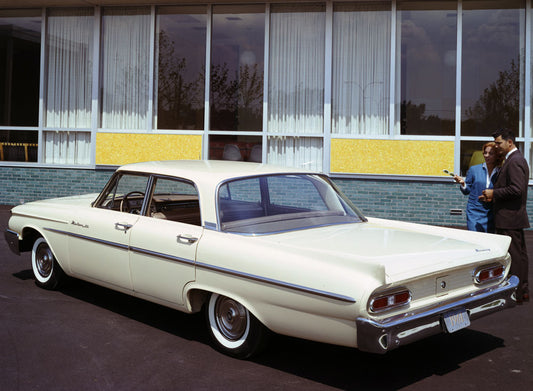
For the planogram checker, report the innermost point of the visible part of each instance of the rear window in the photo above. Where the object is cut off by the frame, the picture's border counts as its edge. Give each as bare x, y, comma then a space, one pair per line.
278, 203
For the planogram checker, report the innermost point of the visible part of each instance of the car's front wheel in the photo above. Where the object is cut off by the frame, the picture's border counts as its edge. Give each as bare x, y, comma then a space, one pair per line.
233, 329
48, 274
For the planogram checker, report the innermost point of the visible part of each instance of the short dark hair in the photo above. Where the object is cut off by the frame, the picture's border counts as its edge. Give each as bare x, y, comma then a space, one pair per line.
506, 134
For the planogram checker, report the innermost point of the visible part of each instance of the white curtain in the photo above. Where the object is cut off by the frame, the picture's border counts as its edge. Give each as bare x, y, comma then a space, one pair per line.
296, 70
300, 152
69, 45
361, 70
65, 147
125, 68
69, 77
296, 85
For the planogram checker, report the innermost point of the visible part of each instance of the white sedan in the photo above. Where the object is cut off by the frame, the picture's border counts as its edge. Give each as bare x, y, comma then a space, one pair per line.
261, 248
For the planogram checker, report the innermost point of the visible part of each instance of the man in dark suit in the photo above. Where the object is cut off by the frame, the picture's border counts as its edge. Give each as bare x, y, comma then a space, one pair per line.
509, 196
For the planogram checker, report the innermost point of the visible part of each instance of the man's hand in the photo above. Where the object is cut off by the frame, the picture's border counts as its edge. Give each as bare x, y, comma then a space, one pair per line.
487, 195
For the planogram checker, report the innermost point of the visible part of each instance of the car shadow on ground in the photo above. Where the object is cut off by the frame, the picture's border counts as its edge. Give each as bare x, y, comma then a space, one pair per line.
335, 366
350, 369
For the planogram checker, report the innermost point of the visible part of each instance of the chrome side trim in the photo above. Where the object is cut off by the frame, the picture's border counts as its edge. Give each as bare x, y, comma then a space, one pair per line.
283, 284
40, 218
90, 239
270, 281
210, 226
184, 261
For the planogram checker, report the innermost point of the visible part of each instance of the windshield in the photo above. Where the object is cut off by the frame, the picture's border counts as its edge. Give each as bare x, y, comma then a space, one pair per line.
278, 203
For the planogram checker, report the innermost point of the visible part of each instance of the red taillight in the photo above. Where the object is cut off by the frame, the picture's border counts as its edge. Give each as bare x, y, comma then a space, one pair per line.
490, 273
387, 301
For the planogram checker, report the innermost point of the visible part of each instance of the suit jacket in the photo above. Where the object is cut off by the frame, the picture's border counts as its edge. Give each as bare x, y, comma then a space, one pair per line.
510, 193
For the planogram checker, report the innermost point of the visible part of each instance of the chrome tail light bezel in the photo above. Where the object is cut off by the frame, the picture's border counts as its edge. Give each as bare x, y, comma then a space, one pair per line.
388, 300
489, 273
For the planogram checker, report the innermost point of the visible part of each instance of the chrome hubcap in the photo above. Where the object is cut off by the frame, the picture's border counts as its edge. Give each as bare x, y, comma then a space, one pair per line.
44, 260
231, 318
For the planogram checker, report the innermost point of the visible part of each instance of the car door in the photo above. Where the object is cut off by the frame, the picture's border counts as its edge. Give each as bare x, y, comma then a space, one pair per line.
163, 242
99, 242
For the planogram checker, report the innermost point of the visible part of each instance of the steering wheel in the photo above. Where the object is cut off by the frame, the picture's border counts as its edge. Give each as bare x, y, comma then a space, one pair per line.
125, 204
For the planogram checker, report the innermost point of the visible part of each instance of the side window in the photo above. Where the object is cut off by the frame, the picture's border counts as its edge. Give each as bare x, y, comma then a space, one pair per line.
125, 193
175, 200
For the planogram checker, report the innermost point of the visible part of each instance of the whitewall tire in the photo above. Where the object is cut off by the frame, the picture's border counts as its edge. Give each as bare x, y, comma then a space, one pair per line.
47, 272
232, 328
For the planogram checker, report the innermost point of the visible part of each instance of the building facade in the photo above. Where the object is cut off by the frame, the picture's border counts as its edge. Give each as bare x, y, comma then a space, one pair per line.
381, 95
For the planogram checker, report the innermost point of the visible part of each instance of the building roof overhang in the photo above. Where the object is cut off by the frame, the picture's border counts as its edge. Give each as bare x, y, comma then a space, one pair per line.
91, 3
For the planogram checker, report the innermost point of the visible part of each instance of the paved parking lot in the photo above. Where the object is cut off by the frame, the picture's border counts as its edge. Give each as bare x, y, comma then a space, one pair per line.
85, 337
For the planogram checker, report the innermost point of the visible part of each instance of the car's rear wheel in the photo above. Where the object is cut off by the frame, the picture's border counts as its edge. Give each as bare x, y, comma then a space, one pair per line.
233, 329
48, 274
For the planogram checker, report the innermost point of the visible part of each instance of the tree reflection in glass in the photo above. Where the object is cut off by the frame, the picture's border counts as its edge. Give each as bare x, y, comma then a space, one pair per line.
492, 68
236, 84
181, 67
427, 67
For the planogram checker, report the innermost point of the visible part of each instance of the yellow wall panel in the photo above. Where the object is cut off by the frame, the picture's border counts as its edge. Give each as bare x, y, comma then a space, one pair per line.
400, 157
122, 148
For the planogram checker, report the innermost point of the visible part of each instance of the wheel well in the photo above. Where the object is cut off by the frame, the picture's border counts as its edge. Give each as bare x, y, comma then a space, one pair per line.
197, 298
29, 236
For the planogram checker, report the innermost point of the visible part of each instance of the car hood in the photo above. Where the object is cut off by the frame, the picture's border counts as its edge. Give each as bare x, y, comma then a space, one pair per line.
42, 208
398, 250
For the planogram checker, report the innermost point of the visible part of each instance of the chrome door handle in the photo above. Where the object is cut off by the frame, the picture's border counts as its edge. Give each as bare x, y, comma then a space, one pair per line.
123, 226
187, 238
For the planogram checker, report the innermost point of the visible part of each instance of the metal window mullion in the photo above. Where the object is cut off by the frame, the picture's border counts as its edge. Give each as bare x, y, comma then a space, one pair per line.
392, 74
151, 69
205, 139
42, 71
527, 85
328, 59
266, 69
458, 72
95, 100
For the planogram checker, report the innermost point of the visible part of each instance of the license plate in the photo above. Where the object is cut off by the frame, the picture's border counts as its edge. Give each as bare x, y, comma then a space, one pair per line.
456, 320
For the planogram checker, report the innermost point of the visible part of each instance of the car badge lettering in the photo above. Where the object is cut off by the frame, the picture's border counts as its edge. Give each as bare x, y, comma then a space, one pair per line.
79, 224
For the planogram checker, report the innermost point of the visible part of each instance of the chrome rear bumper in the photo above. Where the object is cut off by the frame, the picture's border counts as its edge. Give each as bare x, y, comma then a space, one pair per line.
387, 334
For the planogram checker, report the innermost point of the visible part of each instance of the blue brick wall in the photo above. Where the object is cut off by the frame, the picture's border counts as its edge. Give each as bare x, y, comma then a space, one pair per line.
421, 202
21, 184
418, 202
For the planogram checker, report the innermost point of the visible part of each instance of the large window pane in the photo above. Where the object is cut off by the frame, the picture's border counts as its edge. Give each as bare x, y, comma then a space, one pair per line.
296, 69
20, 56
181, 67
427, 64
125, 67
69, 44
235, 147
18, 145
67, 147
492, 76
301, 152
237, 64
361, 69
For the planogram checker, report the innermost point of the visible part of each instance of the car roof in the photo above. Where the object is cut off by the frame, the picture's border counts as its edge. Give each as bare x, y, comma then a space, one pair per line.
207, 175
213, 171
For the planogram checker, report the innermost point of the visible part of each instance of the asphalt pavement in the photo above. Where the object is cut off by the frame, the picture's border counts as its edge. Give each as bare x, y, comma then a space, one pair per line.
85, 337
